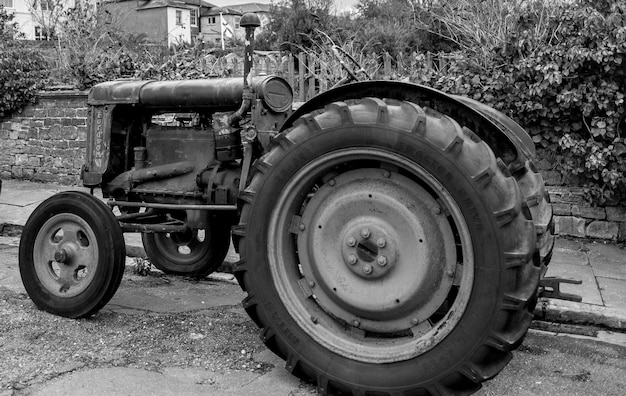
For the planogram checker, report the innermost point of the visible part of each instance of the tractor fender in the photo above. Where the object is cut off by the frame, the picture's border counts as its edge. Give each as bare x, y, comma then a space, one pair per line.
506, 138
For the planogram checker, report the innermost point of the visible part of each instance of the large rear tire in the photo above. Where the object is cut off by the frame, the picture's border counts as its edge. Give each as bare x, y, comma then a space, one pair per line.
385, 249
71, 255
536, 197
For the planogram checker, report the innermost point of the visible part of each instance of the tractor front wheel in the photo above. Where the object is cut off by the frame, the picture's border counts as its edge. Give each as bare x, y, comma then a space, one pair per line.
71, 255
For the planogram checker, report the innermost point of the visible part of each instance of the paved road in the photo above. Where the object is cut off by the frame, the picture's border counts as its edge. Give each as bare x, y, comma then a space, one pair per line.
165, 335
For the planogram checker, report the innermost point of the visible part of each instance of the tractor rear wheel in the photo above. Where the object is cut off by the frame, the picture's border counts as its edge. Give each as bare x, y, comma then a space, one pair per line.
192, 252
385, 249
71, 255
536, 197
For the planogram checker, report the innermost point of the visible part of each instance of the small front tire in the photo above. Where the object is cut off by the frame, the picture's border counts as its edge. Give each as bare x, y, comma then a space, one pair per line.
71, 255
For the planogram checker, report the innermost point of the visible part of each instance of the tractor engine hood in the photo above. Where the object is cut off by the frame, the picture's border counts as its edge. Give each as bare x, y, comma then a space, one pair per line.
218, 93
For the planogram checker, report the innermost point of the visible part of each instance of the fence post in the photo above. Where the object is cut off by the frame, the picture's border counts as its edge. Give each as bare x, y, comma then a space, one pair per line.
387, 68
291, 70
301, 71
311, 70
323, 77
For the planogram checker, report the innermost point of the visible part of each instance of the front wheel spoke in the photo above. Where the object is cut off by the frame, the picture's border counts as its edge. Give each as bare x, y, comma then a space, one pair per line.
67, 276
83, 258
70, 234
48, 249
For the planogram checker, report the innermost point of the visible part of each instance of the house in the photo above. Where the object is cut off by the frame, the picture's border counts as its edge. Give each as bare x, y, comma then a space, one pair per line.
169, 22
221, 23
260, 9
37, 19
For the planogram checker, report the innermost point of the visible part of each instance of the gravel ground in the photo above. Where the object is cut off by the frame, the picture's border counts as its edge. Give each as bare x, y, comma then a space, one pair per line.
37, 347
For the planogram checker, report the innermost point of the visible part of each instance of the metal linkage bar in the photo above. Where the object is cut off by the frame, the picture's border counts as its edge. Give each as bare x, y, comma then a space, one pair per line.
113, 202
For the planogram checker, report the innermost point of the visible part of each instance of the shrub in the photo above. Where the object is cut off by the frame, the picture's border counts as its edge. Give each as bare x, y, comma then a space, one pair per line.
565, 86
22, 70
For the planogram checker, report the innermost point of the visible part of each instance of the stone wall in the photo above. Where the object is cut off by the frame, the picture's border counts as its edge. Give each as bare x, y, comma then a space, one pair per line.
45, 141
575, 217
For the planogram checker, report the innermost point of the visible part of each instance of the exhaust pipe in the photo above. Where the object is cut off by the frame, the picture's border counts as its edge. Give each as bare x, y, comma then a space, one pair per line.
250, 22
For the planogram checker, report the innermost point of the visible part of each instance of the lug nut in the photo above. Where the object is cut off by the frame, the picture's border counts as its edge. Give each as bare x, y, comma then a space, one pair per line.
386, 173
311, 283
381, 243
414, 321
351, 242
302, 227
331, 182
365, 233
352, 259
382, 261
450, 273
356, 323
60, 256
437, 210
367, 269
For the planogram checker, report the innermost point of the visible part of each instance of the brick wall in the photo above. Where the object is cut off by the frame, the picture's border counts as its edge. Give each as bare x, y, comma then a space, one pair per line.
45, 142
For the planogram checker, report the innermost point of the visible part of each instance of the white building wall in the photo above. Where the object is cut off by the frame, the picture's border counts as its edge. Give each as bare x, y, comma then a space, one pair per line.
27, 18
178, 34
23, 17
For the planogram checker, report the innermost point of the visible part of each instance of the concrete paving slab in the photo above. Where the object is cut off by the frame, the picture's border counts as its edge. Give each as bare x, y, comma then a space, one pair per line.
569, 244
568, 251
175, 381
174, 295
613, 292
606, 253
9, 271
15, 215
588, 289
18, 198
605, 269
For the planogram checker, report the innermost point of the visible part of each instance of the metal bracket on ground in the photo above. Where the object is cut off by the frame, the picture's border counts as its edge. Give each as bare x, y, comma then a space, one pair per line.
550, 287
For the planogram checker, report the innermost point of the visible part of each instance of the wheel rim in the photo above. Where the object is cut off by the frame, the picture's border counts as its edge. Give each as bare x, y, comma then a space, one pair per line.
66, 255
183, 248
376, 264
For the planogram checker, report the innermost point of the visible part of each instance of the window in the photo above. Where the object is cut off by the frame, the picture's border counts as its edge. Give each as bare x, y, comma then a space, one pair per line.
179, 17
46, 5
237, 19
6, 3
194, 17
212, 20
42, 34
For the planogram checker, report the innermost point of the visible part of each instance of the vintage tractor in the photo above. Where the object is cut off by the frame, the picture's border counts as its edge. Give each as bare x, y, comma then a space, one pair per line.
392, 237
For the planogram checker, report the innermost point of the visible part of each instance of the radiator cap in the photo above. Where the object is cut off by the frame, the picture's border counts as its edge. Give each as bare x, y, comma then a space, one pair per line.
250, 20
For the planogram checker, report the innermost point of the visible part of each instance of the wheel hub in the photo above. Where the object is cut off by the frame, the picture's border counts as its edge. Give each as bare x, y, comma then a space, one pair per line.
368, 251
378, 250
65, 253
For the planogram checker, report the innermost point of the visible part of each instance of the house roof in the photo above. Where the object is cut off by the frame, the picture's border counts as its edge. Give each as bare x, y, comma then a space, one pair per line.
199, 3
146, 5
220, 10
251, 7
150, 4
